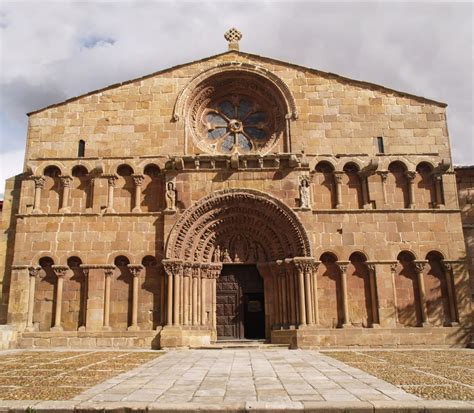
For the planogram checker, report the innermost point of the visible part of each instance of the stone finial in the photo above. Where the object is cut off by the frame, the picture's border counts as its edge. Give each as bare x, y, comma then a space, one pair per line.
233, 36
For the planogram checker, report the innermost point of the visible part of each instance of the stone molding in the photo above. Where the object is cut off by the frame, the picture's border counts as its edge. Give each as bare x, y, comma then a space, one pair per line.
198, 230
245, 68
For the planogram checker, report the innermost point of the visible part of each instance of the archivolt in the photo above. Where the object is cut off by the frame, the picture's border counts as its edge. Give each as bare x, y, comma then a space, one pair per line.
278, 84
253, 214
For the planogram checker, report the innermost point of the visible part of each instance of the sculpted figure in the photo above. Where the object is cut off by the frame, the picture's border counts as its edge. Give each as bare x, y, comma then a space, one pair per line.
226, 256
217, 254
304, 194
170, 196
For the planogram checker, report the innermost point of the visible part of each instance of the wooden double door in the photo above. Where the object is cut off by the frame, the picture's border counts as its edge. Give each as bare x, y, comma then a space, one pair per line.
240, 303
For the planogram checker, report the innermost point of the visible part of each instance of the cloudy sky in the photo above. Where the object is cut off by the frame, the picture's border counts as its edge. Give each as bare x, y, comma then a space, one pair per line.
52, 50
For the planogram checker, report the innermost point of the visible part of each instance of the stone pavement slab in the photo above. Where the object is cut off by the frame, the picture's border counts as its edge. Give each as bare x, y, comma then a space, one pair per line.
244, 375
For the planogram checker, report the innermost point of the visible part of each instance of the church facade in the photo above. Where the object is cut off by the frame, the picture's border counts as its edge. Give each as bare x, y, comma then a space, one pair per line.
237, 197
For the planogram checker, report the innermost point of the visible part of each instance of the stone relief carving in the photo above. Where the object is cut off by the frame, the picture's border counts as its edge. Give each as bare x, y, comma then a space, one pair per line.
270, 229
305, 192
171, 195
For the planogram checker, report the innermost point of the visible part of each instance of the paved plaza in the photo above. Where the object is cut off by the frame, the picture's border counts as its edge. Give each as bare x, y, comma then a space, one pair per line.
236, 380
229, 376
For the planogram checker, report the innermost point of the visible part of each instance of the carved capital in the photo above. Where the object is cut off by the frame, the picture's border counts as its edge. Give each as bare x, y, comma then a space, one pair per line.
187, 270
410, 175
303, 264
205, 270
419, 266
111, 180
138, 179
135, 269
371, 268
383, 176
438, 177
394, 267
343, 266
60, 270
173, 268
338, 177
39, 181
33, 271
214, 270
447, 266
66, 181
196, 270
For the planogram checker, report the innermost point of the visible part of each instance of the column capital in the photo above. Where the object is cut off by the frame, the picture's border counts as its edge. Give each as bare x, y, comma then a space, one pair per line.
39, 181
108, 270
303, 264
420, 266
394, 267
383, 175
438, 176
172, 267
111, 179
410, 175
196, 269
187, 270
370, 266
138, 179
338, 176
60, 270
33, 271
343, 266
135, 269
66, 181
214, 270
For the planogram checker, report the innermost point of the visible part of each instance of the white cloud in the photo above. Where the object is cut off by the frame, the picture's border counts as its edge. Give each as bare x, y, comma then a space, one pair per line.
53, 50
11, 164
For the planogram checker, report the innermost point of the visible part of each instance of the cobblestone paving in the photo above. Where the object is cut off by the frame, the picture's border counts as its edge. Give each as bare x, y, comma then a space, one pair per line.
430, 374
229, 376
61, 375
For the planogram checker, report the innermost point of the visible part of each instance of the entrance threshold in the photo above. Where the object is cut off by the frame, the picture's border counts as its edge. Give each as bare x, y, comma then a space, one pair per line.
244, 344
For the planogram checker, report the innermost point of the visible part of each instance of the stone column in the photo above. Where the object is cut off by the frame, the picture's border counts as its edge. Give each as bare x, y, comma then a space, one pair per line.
373, 294
60, 272
449, 274
308, 294
135, 270
291, 292
277, 295
281, 275
85, 291
383, 177
112, 182
214, 273
66, 184
138, 181
204, 275
108, 272
187, 276
393, 272
410, 175
39, 185
303, 267
419, 268
33, 272
314, 283
338, 181
196, 273
438, 187
364, 183
169, 300
345, 300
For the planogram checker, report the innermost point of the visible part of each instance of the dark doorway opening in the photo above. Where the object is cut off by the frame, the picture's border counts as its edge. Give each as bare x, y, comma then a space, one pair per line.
240, 306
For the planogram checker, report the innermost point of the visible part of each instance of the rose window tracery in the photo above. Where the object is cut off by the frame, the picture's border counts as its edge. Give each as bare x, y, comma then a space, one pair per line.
236, 122
236, 112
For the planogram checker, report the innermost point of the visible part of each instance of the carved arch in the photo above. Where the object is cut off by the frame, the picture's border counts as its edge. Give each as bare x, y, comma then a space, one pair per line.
181, 101
255, 215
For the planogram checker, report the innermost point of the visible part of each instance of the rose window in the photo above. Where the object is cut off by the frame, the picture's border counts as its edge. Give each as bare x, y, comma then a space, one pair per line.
236, 122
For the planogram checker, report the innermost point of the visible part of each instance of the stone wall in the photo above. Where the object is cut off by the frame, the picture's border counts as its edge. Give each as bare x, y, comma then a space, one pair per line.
465, 183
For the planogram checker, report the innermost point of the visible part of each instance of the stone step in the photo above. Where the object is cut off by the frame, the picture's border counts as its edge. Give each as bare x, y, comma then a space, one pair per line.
243, 344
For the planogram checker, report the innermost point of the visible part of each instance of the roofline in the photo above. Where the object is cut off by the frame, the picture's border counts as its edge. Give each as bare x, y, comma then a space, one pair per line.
463, 167
268, 59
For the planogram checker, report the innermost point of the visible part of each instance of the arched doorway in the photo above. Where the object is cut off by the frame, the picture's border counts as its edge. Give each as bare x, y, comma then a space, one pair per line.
255, 240
240, 303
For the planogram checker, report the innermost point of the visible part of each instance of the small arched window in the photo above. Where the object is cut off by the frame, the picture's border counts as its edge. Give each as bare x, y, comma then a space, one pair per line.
81, 149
